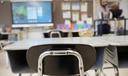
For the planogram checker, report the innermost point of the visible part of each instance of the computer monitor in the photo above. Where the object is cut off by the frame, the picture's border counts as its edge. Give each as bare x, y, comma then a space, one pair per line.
32, 13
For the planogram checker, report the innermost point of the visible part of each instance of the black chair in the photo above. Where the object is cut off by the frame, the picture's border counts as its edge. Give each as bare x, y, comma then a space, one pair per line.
104, 29
55, 34
61, 59
4, 36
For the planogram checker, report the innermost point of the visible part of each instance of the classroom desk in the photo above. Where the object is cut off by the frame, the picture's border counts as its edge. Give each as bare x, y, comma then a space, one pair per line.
116, 40
17, 51
26, 44
121, 43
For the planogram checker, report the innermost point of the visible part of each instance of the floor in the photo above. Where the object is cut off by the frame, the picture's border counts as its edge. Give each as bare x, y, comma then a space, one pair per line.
6, 71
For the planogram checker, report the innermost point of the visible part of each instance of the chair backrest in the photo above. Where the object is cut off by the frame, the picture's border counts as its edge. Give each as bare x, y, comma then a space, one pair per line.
104, 28
1, 47
55, 34
4, 36
61, 65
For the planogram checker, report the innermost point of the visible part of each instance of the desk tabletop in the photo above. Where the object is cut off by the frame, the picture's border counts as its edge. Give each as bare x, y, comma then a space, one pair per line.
93, 41
116, 40
26, 44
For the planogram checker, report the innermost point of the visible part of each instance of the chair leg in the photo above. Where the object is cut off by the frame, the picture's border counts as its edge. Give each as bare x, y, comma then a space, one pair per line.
103, 72
116, 70
30, 74
20, 74
86, 74
99, 72
96, 72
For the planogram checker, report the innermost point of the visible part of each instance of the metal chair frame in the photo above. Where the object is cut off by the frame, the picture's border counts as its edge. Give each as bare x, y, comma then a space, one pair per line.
57, 53
55, 32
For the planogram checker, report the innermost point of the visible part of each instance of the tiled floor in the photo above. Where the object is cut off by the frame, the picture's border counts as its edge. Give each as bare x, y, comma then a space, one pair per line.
6, 71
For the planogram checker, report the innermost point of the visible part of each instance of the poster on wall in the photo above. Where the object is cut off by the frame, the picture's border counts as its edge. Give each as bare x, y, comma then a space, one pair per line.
75, 6
75, 16
66, 6
84, 16
66, 14
84, 7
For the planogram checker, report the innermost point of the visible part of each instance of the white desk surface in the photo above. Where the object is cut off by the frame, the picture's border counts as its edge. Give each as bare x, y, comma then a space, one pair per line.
117, 40
94, 41
26, 44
